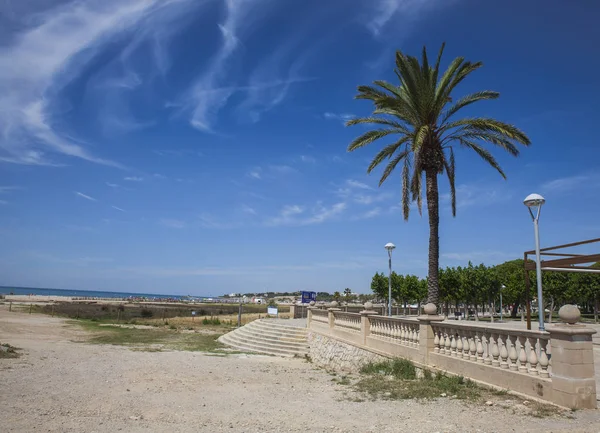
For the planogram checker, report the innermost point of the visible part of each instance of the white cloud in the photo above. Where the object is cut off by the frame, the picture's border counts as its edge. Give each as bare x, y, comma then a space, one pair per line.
134, 179
356, 184
477, 194
87, 197
255, 173
369, 214
401, 12
343, 117
206, 97
248, 210
112, 185
173, 223
296, 215
282, 169
49, 50
476, 257
371, 198
571, 183
118, 208
308, 159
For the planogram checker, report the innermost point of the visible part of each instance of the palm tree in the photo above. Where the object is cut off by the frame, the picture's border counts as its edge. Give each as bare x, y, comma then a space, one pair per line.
419, 114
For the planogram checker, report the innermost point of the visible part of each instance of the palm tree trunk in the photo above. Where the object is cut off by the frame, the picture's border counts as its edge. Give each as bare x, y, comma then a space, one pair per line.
434, 239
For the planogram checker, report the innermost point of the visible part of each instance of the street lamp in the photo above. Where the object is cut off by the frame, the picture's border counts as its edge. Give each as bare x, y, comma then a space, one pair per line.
390, 247
501, 308
534, 203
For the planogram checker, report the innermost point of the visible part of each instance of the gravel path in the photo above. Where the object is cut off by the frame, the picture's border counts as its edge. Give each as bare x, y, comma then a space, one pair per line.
60, 385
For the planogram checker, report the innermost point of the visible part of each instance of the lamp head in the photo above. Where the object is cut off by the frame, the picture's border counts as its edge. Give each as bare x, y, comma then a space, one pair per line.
390, 246
534, 200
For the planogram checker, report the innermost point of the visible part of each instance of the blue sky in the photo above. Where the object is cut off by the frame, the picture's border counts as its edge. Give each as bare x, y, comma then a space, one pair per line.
188, 146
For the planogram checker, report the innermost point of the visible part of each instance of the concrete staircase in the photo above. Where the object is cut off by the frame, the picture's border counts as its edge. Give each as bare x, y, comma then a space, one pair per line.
268, 336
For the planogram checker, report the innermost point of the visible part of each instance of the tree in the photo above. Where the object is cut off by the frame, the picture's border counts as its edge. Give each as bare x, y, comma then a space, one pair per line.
419, 114
337, 296
379, 285
347, 294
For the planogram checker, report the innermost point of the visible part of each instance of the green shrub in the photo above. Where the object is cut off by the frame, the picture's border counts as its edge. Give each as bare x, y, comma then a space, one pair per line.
399, 368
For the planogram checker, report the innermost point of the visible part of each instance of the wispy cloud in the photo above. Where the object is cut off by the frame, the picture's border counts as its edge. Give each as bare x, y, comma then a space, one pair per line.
308, 159
357, 184
271, 171
117, 208
133, 179
112, 185
408, 11
173, 223
207, 97
296, 215
368, 214
51, 50
82, 195
571, 183
343, 117
366, 199
488, 257
249, 210
477, 194
177, 152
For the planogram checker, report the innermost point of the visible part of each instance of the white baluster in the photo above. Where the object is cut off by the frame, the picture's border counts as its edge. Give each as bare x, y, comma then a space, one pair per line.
522, 355
466, 347
512, 353
442, 342
459, 346
503, 351
494, 350
447, 343
488, 355
472, 347
479, 339
543, 359
436, 341
453, 345
533, 360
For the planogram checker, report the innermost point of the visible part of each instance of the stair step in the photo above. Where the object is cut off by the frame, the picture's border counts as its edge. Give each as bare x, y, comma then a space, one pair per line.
273, 323
230, 340
242, 339
270, 337
271, 343
260, 332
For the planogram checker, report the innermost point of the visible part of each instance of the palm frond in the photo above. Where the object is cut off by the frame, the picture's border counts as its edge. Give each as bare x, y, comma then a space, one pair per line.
484, 154
450, 172
406, 188
391, 166
486, 124
468, 100
370, 136
387, 152
377, 121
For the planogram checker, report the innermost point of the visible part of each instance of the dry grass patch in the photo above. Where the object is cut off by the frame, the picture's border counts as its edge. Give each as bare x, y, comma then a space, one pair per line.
153, 339
399, 379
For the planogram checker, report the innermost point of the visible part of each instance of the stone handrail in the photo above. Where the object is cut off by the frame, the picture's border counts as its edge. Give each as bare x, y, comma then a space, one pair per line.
349, 321
395, 330
320, 316
513, 349
556, 366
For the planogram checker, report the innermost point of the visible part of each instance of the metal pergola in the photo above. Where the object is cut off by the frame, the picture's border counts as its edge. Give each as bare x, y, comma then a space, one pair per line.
559, 262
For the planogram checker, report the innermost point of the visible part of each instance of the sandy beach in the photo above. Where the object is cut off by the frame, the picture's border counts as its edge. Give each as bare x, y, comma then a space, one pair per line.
60, 384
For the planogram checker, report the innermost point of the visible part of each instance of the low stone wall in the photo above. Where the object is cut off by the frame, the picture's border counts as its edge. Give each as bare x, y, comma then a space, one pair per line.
333, 354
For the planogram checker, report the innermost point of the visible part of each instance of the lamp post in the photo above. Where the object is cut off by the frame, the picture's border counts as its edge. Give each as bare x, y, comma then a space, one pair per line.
501, 308
534, 204
390, 247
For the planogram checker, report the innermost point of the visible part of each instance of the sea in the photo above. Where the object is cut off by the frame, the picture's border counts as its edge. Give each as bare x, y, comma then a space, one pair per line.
6, 290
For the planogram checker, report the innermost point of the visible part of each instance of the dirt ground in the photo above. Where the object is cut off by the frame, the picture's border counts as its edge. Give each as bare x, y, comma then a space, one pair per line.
60, 384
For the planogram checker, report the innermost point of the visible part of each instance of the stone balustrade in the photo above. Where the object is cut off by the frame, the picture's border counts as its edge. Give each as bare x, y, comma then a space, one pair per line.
556, 365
